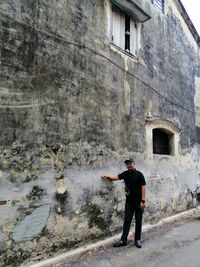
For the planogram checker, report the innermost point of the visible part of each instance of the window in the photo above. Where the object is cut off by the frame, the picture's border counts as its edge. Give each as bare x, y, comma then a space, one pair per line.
162, 136
160, 4
124, 31
126, 19
161, 142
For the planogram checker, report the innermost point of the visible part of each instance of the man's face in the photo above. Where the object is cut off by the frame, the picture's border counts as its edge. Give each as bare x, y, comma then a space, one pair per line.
130, 165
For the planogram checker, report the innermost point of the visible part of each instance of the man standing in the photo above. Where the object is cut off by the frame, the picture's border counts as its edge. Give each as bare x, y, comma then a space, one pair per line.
135, 201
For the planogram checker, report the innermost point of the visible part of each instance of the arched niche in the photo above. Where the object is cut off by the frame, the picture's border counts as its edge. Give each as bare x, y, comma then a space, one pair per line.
162, 137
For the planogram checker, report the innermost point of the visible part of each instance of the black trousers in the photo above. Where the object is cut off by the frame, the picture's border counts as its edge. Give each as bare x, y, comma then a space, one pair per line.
130, 209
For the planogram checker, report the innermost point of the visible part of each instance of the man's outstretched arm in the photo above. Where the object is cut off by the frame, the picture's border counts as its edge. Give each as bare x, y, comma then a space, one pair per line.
142, 204
111, 178
143, 192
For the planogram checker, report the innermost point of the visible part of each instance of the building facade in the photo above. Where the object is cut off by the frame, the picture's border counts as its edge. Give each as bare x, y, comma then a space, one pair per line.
84, 84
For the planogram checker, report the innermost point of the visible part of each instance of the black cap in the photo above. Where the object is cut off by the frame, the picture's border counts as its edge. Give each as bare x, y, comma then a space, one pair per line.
129, 160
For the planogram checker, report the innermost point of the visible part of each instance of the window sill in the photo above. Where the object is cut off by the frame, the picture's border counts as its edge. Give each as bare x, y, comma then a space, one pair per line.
123, 52
162, 156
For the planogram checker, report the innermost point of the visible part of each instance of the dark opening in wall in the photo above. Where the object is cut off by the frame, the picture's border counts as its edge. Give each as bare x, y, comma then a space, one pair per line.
161, 142
127, 33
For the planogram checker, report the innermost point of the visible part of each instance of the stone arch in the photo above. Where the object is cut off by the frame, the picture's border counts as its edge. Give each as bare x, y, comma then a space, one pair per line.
169, 127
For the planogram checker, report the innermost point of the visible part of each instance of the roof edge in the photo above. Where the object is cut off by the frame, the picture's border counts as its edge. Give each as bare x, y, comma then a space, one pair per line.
188, 21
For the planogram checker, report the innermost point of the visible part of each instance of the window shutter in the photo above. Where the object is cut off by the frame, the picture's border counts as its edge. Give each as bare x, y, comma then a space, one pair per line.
133, 37
159, 4
118, 28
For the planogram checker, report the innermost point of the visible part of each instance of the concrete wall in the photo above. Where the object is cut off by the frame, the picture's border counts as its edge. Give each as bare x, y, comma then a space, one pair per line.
73, 107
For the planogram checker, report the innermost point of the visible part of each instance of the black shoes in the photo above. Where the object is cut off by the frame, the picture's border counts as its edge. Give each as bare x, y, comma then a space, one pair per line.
120, 243
138, 244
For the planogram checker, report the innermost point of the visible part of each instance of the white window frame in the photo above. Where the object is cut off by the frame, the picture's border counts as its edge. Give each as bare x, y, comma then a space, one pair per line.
168, 127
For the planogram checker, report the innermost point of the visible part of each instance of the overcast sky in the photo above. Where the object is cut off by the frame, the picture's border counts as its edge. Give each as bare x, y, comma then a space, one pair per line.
193, 9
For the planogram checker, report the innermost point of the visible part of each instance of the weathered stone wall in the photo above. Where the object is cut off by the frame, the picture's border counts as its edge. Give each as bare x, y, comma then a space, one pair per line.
73, 107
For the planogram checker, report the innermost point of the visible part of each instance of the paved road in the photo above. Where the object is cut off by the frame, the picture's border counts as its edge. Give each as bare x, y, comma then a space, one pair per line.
175, 245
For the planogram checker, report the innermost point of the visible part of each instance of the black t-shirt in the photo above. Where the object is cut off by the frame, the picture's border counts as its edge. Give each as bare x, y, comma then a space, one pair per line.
133, 180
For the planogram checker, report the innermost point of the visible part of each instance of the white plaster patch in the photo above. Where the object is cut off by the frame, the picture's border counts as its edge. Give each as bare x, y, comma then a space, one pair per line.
32, 225
127, 98
61, 186
108, 15
197, 100
188, 179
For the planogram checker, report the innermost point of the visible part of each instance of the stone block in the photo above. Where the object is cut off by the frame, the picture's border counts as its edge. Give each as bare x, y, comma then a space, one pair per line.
32, 225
